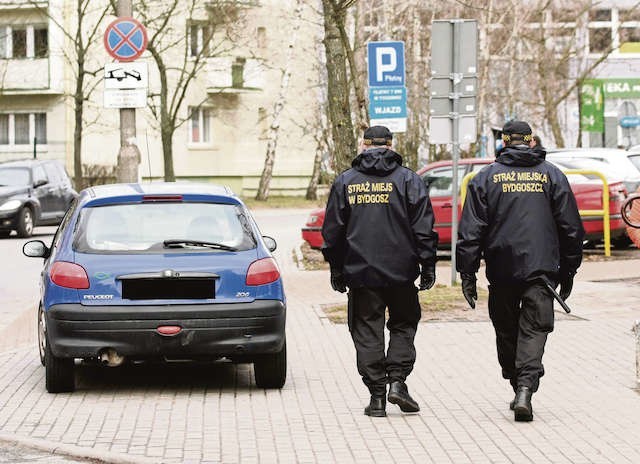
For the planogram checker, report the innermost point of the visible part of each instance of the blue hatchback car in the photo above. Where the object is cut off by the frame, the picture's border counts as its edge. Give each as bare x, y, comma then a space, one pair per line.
159, 271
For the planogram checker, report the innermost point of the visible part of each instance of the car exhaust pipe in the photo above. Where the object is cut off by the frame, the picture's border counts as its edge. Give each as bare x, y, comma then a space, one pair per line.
110, 357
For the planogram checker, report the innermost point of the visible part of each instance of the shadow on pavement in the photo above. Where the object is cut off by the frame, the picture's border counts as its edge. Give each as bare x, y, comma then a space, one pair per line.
158, 376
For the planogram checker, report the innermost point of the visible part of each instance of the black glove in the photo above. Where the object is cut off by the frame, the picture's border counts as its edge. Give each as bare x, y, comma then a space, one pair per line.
566, 284
427, 276
469, 289
337, 281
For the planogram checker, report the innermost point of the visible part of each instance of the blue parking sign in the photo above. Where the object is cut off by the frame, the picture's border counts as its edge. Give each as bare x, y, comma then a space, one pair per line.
386, 64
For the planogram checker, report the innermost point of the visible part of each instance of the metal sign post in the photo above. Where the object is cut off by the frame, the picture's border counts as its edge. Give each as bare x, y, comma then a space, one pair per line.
125, 39
454, 55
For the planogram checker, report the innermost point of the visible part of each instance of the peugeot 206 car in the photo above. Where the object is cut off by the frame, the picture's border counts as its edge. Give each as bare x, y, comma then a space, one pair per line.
159, 272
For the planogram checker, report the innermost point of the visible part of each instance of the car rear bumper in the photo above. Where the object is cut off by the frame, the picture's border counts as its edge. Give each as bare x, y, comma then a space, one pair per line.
240, 329
313, 236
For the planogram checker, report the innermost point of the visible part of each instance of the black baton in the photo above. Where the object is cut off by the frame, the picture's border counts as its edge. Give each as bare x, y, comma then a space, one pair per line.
546, 281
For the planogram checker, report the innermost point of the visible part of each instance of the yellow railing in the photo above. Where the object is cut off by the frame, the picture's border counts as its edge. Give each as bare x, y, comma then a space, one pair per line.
604, 212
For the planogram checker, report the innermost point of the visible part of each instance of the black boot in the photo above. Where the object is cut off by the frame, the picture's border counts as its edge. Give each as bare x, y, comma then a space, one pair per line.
377, 406
523, 412
399, 394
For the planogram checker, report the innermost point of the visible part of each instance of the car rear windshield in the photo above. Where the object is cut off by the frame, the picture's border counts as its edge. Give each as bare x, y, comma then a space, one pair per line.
163, 228
14, 177
635, 159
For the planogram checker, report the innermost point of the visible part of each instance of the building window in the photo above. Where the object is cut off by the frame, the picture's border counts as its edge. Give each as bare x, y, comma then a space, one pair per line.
40, 42
200, 125
199, 39
4, 129
599, 40
24, 42
22, 128
237, 73
19, 42
261, 37
40, 127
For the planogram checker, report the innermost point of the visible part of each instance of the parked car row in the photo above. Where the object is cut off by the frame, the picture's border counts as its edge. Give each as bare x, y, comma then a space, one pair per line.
33, 193
587, 190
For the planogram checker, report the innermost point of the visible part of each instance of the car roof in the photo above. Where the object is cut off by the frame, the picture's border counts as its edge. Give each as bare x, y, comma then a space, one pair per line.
437, 164
124, 191
588, 152
25, 163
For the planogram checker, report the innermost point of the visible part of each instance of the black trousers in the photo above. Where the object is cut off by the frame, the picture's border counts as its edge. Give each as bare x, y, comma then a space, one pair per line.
522, 316
366, 324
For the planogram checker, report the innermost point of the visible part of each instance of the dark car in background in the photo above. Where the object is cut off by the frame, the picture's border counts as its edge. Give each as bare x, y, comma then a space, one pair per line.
33, 193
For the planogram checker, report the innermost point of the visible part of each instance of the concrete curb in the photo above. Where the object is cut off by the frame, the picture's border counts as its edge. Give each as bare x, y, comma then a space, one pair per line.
74, 451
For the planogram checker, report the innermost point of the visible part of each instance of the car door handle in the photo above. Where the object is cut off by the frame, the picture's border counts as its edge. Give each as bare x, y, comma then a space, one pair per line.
447, 205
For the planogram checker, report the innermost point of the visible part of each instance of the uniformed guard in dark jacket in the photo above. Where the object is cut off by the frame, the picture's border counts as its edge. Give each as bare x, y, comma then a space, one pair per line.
521, 216
378, 237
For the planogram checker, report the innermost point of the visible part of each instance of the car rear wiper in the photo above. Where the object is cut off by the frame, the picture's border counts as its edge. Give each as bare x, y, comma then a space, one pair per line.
182, 243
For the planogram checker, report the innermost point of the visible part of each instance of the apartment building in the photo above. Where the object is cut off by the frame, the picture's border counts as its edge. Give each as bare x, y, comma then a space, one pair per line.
223, 121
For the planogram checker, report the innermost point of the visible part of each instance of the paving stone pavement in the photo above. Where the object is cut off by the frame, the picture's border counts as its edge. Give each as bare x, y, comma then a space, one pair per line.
587, 410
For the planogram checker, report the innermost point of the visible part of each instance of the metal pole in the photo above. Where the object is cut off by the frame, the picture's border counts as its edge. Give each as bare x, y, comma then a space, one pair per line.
35, 143
456, 76
129, 155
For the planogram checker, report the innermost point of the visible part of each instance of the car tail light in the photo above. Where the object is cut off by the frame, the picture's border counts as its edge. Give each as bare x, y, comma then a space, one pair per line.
263, 271
617, 193
69, 275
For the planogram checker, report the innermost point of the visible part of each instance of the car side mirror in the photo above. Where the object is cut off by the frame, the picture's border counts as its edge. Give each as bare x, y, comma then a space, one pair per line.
36, 249
40, 183
270, 243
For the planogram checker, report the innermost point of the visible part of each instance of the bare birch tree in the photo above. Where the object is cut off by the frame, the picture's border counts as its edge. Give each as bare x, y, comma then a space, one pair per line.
274, 127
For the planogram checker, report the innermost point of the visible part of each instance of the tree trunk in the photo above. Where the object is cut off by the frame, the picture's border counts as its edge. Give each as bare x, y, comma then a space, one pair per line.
312, 189
78, 109
269, 161
338, 90
166, 135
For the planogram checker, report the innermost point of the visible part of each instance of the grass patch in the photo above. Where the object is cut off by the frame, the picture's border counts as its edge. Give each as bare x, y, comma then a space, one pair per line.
440, 303
284, 202
312, 260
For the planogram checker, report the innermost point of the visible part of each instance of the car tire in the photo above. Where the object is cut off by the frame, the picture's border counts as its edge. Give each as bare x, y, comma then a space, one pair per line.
25, 222
42, 335
271, 369
4, 233
621, 242
59, 372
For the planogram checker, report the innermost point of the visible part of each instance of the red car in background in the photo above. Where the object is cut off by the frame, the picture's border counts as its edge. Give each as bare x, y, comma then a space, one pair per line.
438, 177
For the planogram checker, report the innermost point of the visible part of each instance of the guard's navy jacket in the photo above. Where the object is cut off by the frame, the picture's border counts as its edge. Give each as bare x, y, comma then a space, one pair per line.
378, 223
520, 213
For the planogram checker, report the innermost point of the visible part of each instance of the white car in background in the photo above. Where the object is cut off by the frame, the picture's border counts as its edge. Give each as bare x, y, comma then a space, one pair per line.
621, 164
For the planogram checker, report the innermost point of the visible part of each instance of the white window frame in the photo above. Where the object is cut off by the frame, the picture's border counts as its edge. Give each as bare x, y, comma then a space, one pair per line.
28, 147
31, 52
200, 111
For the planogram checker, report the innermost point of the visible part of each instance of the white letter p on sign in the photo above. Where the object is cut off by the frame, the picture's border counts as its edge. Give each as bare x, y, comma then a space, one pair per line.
381, 68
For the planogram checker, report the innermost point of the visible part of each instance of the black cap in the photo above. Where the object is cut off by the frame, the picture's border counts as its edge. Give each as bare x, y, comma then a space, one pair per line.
516, 127
377, 135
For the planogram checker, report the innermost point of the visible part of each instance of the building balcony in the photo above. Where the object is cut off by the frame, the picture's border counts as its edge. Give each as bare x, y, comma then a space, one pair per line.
234, 75
30, 76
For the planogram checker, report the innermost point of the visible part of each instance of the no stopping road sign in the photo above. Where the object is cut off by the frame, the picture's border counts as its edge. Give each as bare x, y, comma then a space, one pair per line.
125, 39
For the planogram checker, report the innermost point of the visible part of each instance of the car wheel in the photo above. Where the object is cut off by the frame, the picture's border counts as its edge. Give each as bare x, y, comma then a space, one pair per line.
622, 241
271, 369
4, 233
42, 334
25, 222
59, 372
